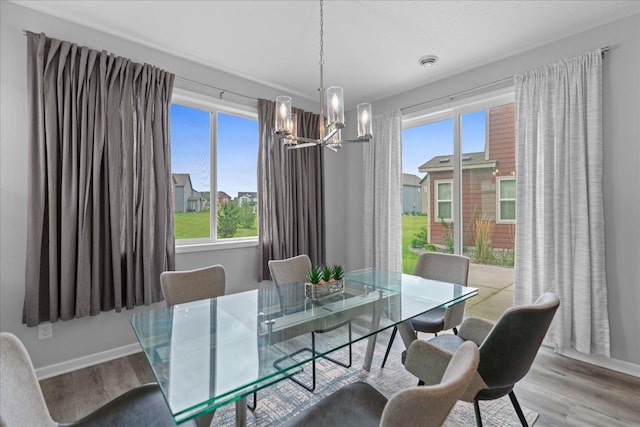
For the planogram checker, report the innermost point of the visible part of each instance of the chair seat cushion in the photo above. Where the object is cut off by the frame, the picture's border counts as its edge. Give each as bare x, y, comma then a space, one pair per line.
142, 406
354, 405
430, 322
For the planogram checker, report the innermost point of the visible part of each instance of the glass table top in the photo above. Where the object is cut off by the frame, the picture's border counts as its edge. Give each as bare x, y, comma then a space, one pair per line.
209, 353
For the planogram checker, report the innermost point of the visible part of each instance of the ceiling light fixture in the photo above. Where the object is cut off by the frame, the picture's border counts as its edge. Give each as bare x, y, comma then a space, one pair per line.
428, 61
331, 124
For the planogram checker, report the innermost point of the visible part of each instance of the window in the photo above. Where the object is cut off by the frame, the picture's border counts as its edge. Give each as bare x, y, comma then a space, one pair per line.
444, 200
506, 200
214, 149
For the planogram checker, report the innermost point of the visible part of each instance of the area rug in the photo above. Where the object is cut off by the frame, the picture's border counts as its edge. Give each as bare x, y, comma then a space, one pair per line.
282, 401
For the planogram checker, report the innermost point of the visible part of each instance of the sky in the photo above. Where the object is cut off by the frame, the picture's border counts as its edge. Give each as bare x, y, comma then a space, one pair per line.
238, 146
237, 149
421, 143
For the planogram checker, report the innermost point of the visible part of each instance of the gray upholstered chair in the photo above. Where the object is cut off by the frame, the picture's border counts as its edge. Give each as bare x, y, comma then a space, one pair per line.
292, 270
191, 285
179, 287
22, 402
360, 404
447, 268
507, 350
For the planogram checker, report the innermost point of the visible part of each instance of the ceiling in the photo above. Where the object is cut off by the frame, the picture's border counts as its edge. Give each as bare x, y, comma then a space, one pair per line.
371, 48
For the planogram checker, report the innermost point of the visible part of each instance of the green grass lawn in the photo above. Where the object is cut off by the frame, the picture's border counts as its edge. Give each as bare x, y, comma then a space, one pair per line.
194, 225
410, 226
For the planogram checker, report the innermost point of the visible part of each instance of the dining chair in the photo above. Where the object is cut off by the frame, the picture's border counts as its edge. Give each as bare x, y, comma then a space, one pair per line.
292, 270
447, 268
507, 350
179, 287
362, 405
22, 402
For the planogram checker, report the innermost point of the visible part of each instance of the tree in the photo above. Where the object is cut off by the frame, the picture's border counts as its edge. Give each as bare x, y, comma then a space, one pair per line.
228, 219
247, 215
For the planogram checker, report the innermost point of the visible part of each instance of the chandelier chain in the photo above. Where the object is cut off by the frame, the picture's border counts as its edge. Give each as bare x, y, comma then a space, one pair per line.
321, 32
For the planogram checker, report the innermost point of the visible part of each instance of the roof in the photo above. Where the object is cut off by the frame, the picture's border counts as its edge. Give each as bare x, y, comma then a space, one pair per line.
442, 163
248, 193
223, 194
410, 179
180, 179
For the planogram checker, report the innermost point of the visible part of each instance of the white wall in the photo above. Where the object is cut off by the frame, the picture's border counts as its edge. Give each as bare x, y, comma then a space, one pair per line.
621, 165
88, 335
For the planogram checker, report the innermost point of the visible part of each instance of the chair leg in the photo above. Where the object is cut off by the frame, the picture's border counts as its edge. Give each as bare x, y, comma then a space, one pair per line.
255, 402
518, 409
476, 408
386, 354
337, 362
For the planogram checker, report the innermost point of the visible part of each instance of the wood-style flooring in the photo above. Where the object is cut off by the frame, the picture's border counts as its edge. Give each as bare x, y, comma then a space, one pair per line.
565, 392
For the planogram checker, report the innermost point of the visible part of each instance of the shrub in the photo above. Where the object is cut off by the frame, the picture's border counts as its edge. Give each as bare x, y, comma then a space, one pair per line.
483, 251
420, 238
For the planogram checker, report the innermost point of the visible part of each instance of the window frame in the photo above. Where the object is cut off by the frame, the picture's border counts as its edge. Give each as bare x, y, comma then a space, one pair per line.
213, 106
449, 108
500, 199
436, 198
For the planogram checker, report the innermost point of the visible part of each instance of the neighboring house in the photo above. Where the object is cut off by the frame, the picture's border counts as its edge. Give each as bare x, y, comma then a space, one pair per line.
223, 197
185, 197
411, 194
488, 185
248, 196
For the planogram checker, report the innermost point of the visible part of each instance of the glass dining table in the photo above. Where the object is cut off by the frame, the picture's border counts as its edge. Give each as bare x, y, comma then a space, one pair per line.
209, 353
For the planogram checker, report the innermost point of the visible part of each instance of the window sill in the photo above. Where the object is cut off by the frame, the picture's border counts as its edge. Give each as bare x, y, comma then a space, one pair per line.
215, 246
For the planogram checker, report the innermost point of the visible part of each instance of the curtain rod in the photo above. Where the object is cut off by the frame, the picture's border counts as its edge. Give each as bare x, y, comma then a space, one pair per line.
473, 89
443, 98
184, 79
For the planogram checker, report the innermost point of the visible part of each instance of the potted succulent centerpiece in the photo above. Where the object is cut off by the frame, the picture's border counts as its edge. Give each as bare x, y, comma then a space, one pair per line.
323, 281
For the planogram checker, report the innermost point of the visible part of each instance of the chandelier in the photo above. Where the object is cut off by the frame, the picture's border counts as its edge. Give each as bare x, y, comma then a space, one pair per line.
331, 114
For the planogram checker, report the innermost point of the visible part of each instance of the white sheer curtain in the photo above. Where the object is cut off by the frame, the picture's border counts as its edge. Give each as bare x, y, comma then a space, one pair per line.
560, 220
383, 194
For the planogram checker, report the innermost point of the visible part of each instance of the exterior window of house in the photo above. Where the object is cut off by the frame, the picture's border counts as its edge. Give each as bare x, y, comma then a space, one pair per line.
507, 200
444, 200
214, 149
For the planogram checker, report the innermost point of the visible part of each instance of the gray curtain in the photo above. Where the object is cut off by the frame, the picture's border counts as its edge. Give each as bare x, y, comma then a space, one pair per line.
290, 193
100, 227
559, 199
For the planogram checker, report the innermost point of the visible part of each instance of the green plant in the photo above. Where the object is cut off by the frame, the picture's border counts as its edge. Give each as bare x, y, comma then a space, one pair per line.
337, 272
326, 273
247, 215
430, 247
483, 251
314, 275
228, 219
420, 238
447, 235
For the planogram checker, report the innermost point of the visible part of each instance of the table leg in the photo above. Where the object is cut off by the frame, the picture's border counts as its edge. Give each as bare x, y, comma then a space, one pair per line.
241, 412
371, 342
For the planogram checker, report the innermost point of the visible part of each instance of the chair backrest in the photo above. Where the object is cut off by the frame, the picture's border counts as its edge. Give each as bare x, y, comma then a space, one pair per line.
430, 405
290, 270
185, 286
506, 354
447, 268
21, 399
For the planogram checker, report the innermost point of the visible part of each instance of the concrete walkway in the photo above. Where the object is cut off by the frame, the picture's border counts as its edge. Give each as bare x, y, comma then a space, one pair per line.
495, 291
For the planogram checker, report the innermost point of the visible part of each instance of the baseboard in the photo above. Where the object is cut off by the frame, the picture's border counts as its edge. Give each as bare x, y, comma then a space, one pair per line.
621, 366
86, 361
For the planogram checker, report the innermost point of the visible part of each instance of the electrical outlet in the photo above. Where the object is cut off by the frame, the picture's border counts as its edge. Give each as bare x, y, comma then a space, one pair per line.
45, 331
